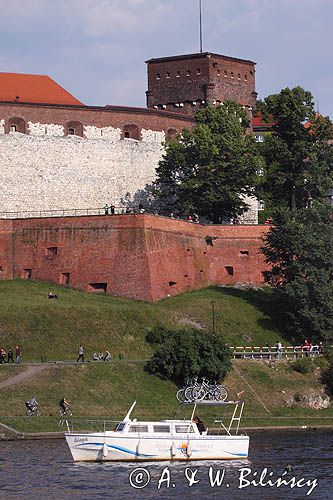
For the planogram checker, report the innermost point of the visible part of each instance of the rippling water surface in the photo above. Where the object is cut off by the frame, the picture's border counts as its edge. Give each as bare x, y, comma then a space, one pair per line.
44, 470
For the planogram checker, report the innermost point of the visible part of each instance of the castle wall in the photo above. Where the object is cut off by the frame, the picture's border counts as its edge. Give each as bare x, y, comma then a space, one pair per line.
140, 256
44, 170
46, 117
49, 173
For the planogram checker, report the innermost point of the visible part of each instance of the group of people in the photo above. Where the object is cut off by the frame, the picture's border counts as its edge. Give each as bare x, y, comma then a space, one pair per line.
9, 356
109, 209
102, 357
310, 349
96, 357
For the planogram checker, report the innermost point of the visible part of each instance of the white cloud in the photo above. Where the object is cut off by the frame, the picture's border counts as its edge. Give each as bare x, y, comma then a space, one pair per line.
97, 48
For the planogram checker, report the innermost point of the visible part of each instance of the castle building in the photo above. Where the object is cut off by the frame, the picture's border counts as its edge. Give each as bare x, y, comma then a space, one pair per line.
188, 82
58, 155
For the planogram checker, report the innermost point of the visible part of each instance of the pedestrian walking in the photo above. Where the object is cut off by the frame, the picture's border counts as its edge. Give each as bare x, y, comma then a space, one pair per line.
80, 353
17, 355
10, 356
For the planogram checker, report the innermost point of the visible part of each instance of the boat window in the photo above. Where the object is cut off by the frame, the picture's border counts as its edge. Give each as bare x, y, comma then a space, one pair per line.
120, 427
161, 428
138, 428
184, 428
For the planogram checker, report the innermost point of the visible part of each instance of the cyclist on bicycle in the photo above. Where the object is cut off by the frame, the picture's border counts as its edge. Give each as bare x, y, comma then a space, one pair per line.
31, 404
64, 405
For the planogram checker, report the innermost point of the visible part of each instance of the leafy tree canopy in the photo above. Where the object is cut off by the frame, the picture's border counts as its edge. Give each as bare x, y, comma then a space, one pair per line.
299, 250
208, 170
298, 154
184, 354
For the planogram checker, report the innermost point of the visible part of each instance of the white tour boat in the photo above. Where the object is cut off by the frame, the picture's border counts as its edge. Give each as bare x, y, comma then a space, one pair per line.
134, 440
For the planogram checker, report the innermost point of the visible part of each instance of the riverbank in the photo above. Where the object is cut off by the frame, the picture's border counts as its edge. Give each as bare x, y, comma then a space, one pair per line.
9, 434
273, 393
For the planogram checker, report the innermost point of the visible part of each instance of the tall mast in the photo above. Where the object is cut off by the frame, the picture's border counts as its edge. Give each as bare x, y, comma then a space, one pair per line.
200, 26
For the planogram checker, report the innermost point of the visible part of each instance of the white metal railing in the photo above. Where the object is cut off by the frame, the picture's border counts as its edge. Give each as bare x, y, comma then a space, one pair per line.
256, 352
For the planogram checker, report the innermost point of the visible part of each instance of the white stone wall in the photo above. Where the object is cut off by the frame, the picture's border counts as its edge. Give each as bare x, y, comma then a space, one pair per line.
49, 173
109, 133
50, 129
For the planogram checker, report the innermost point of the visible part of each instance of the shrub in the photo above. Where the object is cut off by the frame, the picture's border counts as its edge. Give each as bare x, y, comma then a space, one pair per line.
157, 335
184, 354
303, 365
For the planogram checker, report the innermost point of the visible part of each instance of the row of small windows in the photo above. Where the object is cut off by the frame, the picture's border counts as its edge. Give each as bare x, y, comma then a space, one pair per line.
198, 72
178, 74
130, 131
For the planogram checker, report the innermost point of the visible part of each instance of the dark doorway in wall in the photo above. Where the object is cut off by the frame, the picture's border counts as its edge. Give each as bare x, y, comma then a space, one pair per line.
230, 270
244, 253
97, 287
64, 279
27, 274
172, 283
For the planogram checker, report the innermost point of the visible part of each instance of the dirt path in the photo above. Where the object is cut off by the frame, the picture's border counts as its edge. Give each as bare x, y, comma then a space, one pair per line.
237, 370
31, 371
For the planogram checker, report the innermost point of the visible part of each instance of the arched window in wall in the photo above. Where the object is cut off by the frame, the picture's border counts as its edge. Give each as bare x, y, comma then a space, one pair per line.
131, 132
74, 128
16, 124
172, 132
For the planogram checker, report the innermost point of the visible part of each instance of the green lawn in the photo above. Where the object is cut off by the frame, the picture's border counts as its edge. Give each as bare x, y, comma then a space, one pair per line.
54, 328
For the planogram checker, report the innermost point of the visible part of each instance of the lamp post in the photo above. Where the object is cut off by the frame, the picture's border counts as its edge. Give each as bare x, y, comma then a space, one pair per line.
212, 303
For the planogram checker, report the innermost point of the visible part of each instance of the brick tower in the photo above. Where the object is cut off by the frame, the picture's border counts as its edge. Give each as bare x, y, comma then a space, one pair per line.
187, 82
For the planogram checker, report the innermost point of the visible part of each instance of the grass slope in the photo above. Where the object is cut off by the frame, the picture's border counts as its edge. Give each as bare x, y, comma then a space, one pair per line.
102, 390
54, 328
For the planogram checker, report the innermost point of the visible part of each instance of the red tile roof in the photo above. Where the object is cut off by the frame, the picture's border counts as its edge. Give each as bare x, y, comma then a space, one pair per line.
257, 121
34, 88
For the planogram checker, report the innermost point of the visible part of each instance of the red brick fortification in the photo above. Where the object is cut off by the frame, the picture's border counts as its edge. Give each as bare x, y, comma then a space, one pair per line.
107, 116
141, 256
187, 82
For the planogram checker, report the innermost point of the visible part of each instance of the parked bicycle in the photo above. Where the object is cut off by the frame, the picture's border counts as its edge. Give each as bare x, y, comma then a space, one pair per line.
181, 393
196, 391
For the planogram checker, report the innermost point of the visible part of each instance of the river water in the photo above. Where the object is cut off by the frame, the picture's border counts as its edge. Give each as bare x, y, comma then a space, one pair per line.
44, 470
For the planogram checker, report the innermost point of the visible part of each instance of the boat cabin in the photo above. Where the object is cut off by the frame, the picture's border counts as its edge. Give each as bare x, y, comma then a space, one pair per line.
163, 427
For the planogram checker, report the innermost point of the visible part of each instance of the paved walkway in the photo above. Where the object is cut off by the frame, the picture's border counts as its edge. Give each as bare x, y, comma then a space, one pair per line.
30, 372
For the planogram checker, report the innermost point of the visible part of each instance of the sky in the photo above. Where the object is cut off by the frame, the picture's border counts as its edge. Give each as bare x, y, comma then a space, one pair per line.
96, 49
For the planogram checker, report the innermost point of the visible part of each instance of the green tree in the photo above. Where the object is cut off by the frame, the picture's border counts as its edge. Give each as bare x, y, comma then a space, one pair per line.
208, 170
185, 354
298, 154
299, 250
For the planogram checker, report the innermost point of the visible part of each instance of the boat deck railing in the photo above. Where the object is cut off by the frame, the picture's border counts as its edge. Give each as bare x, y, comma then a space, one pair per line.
229, 424
87, 425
